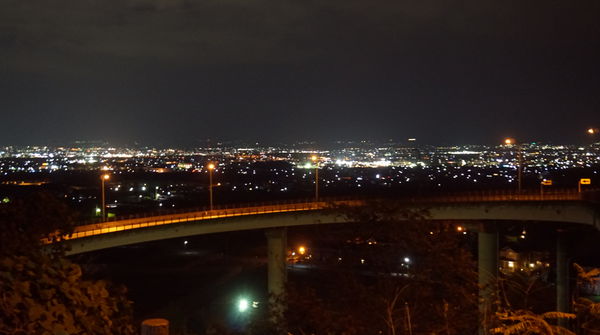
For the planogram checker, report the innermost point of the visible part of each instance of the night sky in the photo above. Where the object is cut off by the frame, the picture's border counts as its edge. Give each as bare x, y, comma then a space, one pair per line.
175, 72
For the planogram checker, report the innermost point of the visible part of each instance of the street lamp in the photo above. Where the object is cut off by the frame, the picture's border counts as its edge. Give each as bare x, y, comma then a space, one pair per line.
544, 182
593, 133
315, 160
302, 250
583, 181
210, 167
104, 178
511, 141
243, 305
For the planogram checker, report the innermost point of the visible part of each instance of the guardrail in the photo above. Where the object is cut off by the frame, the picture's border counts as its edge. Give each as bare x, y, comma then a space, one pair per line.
156, 219
142, 222
483, 196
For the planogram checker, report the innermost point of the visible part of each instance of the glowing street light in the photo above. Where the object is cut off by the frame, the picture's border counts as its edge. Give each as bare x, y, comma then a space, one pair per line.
243, 305
593, 133
512, 141
301, 250
544, 182
315, 160
104, 178
210, 167
583, 181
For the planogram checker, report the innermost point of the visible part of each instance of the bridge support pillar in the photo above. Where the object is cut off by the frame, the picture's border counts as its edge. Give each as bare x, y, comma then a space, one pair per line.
277, 274
488, 272
562, 274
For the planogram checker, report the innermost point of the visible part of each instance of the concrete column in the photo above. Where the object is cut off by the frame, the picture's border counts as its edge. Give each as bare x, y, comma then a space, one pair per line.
488, 272
562, 273
277, 274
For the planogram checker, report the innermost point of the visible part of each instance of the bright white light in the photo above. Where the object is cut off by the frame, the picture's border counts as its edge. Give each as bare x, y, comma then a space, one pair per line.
243, 305
406, 260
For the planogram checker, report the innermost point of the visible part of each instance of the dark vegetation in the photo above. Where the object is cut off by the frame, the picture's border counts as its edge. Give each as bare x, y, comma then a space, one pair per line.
42, 292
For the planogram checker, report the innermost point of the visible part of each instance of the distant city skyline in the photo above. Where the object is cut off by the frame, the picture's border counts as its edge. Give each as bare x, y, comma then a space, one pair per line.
316, 144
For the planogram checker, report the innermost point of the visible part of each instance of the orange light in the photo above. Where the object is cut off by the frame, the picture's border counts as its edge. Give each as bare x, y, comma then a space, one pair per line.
302, 250
508, 141
211, 166
591, 131
459, 228
106, 176
314, 158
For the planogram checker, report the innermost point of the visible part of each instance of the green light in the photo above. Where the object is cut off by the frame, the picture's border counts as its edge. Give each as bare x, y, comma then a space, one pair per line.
5, 200
243, 305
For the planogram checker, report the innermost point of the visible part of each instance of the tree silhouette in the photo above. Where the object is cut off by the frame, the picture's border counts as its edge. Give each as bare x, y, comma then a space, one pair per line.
41, 291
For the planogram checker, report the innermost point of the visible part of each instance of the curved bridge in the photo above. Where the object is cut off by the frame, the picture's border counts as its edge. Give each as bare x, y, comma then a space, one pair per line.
563, 208
566, 208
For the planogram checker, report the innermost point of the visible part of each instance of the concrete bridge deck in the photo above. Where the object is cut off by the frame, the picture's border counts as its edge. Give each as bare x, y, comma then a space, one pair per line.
559, 207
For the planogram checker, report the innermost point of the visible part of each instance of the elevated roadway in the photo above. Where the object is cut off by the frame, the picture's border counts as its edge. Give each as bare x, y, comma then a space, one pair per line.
486, 208
561, 208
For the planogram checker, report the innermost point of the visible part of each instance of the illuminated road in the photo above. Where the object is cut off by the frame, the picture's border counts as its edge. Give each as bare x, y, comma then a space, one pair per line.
194, 216
556, 207
151, 221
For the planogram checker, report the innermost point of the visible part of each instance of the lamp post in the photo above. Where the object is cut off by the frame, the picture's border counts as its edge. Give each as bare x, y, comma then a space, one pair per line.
511, 141
104, 178
583, 181
544, 182
315, 160
593, 134
210, 167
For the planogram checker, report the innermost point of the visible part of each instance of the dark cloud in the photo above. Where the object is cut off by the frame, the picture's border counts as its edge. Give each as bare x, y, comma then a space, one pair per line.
443, 70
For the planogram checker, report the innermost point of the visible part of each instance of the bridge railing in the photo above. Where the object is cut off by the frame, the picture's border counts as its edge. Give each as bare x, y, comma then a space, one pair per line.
141, 222
202, 213
219, 207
